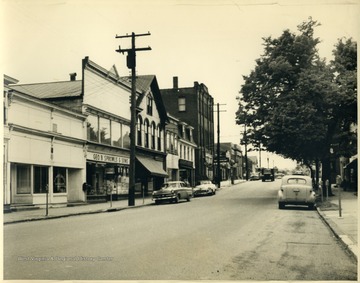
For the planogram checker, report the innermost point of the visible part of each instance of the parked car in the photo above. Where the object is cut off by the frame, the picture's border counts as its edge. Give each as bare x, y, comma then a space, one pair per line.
173, 192
254, 177
297, 190
205, 187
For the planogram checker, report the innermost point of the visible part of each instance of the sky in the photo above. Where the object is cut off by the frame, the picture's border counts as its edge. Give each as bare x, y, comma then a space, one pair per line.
214, 42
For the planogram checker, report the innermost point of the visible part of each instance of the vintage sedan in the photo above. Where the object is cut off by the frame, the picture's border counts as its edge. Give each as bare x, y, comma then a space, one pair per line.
296, 190
173, 192
254, 177
205, 187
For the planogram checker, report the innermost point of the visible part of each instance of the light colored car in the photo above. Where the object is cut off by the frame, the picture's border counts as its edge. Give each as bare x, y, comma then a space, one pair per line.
173, 192
205, 187
254, 177
297, 190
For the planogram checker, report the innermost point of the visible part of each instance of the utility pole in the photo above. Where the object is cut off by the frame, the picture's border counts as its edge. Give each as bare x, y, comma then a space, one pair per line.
131, 64
218, 175
246, 159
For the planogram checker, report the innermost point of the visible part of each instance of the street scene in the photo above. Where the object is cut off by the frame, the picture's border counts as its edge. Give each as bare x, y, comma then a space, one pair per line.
180, 140
237, 234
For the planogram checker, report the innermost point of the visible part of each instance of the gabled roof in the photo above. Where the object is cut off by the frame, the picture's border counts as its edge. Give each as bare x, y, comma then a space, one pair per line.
143, 83
50, 90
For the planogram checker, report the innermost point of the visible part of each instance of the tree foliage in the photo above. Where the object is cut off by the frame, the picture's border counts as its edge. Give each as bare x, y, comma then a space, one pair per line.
294, 103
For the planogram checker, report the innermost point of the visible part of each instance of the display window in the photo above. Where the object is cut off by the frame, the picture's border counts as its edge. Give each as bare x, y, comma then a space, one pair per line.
59, 174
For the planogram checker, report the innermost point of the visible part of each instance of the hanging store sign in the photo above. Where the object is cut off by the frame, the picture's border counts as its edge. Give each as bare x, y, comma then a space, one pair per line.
107, 158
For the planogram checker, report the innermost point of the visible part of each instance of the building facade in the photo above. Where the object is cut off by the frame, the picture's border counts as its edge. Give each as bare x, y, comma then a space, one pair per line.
231, 161
102, 97
180, 148
150, 168
194, 106
44, 150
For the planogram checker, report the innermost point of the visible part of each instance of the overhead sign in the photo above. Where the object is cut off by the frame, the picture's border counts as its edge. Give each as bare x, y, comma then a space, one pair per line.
107, 158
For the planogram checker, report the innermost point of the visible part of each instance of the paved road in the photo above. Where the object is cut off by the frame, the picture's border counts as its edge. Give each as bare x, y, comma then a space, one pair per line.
238, 234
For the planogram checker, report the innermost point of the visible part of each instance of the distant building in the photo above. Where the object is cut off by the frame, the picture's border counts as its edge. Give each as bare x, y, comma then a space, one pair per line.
253, 164
194, 106
180, 148
231, 161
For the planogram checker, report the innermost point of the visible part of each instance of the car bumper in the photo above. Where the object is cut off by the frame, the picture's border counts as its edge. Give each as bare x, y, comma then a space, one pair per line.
202, 192
169, 197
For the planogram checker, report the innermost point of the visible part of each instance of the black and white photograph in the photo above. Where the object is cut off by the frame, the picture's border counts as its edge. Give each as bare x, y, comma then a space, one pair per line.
187, 140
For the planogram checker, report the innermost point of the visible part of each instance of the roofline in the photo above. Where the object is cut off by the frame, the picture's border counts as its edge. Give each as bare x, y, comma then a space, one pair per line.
50, 105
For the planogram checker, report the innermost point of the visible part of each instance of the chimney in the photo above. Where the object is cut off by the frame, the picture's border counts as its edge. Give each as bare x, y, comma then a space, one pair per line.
175, 82
72, 76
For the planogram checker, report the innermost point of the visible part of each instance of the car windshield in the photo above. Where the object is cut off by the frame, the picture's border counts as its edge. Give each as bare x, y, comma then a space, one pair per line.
170, 185
296, 181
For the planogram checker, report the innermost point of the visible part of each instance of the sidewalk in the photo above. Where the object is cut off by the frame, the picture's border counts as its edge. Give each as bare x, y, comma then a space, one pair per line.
66, 211
345, 227
86, 208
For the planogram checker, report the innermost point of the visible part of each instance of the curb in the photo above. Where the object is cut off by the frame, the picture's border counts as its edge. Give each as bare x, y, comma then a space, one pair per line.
73, 214
344, 239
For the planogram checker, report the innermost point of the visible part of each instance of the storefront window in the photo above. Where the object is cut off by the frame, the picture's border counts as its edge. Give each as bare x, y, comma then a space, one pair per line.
126, 136
23, 179
116, 133
41, 179
104, 126
59, 180
93, 128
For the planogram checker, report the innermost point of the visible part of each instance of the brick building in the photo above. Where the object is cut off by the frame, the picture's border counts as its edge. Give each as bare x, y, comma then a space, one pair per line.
194, 105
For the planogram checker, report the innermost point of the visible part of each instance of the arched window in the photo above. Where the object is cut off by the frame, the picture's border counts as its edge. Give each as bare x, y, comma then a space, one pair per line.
149, 105
139, 130
153, 135
158, 137
146, 129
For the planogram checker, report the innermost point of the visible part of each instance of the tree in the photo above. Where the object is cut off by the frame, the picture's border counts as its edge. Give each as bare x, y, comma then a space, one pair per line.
269, 96
295, 104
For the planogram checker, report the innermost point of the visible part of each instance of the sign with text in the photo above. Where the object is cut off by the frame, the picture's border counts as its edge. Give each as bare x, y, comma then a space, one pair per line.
107, 158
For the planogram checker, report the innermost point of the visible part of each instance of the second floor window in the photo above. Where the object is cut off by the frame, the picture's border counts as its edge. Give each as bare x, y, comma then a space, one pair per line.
139, 126
182, 104
93, 128
146, 125
104, 125
106, 131
149, 105
158, 138
153, 134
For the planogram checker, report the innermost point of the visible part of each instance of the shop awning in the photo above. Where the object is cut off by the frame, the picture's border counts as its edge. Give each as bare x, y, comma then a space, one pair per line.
351, 164
155, 168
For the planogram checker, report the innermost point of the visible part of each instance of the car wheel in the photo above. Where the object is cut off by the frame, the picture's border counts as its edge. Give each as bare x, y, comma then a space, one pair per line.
157, 202
214, 192
311, 206
188, 198
281, 205
176, 200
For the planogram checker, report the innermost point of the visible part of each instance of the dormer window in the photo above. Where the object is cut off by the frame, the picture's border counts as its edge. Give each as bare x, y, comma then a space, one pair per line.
149, 105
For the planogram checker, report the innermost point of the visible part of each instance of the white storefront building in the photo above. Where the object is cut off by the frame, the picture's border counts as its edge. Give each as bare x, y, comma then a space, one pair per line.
44, 151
